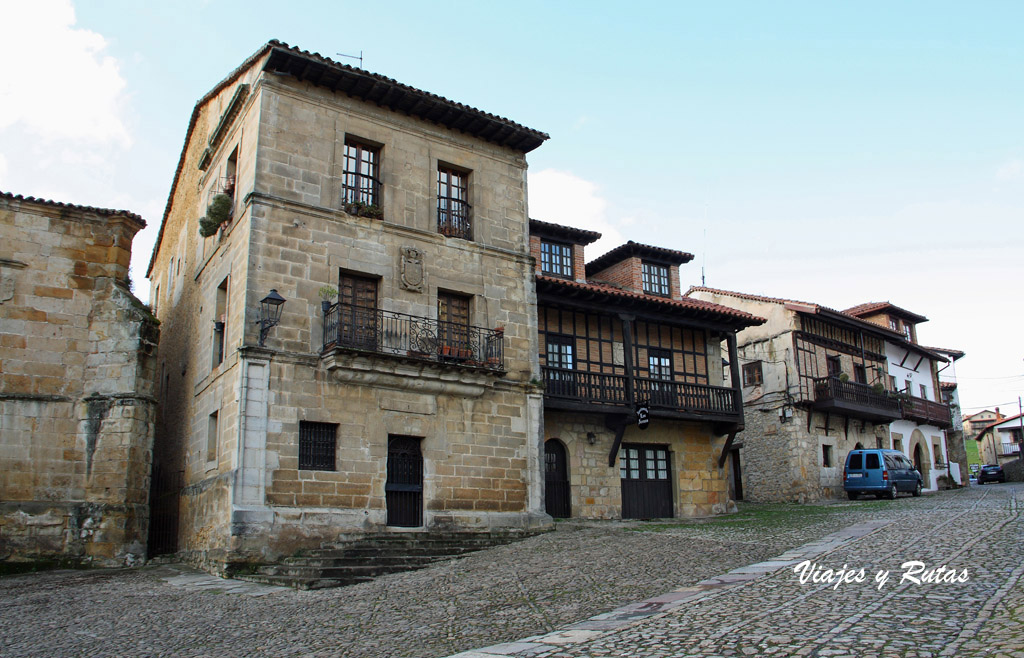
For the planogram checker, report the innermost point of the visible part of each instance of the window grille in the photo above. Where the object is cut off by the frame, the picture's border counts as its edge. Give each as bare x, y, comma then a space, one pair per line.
317, 443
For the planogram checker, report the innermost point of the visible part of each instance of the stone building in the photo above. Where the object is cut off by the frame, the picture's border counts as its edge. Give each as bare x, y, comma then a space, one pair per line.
396, 391
925, 417
77, 371
816, 385
637, 421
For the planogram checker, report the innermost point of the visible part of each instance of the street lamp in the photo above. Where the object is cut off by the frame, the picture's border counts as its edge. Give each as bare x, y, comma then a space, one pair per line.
270, 313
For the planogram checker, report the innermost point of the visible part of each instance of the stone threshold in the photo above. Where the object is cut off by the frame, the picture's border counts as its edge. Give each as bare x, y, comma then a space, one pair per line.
634, 613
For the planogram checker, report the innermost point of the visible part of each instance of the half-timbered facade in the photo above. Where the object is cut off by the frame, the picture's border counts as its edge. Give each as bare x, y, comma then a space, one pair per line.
913, 371
817, 384
637, 420
388, 227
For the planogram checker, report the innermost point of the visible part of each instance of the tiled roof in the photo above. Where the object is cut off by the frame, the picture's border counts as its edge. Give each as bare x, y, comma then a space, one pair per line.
108, 212
949, 386
698, 306
743, 295
818, 309
394, 95
577, 235
956, 354
631, 248
870, 308
362, 84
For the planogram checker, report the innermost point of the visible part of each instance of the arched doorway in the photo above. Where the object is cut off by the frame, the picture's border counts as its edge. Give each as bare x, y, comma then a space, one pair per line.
920, 455
556, 480
917, 459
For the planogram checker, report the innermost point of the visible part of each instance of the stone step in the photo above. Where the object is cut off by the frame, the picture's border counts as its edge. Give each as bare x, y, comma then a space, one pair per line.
300, 582
360, 560
371, 552
336, 573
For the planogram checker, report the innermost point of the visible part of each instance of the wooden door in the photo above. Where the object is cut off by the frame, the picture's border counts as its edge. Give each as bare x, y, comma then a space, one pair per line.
556, 480
404, 487
646, 481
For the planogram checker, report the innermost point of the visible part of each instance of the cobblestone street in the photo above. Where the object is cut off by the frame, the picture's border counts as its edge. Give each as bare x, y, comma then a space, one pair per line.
541, 596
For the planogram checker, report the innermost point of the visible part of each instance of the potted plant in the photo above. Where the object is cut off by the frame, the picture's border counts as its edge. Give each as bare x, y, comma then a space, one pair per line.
327, 293
360, 209
217, 214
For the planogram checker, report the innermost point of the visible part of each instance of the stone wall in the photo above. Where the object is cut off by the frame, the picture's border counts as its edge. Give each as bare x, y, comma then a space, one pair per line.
290, 233
77, 372
700, 487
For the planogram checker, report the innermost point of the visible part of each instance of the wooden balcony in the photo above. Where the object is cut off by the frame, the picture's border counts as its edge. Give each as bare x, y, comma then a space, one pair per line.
833, 395
371, 330
926, 412
579, 390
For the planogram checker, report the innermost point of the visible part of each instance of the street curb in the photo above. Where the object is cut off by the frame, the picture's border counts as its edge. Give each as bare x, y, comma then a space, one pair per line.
633, 613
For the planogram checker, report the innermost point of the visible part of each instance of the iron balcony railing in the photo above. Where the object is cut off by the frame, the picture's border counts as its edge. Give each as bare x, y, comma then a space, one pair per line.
386, 332
607, 389
926, 411
1010, 449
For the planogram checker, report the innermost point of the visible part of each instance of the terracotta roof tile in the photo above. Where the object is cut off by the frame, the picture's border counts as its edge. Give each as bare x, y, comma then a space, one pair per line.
622, 252
697, 305
580, 235
107, 212
869, 308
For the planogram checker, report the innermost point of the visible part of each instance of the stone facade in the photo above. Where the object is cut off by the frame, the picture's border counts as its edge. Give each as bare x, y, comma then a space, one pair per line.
77, 373
233, 418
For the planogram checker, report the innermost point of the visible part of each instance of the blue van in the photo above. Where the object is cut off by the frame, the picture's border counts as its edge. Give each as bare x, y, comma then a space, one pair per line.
880, 472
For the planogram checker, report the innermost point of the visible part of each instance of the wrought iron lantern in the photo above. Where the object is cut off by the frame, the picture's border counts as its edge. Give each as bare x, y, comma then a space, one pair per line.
270, 313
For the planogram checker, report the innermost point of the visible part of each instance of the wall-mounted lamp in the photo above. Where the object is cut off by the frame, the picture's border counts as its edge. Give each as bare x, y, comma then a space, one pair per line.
270, 313
591, 438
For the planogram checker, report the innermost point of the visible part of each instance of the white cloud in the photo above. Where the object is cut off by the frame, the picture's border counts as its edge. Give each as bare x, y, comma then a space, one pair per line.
3, 170
1009, 171
561, 197
71, 90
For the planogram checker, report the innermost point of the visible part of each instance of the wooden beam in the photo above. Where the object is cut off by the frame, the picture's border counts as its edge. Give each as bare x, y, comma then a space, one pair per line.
620, 429
725, 449
734, 375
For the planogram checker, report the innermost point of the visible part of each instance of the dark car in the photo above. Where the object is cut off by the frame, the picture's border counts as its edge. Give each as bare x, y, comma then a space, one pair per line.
991, 473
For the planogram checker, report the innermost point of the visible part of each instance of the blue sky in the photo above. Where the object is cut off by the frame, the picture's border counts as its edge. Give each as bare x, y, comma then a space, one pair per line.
830, 152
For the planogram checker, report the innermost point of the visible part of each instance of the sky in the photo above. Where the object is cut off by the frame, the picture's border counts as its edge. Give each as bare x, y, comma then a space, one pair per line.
835, 153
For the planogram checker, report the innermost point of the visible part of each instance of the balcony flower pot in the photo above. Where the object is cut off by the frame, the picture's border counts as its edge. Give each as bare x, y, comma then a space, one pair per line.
325, 306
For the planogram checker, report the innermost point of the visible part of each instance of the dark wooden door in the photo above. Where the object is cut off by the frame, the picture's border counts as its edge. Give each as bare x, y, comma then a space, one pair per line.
556, 480
357, 300
737, 474
646, 481
404, 487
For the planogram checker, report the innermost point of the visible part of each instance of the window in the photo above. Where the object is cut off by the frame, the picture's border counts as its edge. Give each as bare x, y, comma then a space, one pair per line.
826, 456
659, 367
453, 325
219, 323
860, 374
892, 383
360, 181
871, 461
357, 311
655, 279
317, 443
556, 259
752, 374
937, 451
453, 204
560, 355
834, 365
211, 440
924, 392
909, 387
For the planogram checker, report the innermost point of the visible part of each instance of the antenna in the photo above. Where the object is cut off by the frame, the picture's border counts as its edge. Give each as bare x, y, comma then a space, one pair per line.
360, 58
704, 256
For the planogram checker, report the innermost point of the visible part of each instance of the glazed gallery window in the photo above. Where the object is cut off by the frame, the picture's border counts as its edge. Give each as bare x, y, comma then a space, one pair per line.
655, 279
317, 443
752, 374
453, 203
360, 182
556, 259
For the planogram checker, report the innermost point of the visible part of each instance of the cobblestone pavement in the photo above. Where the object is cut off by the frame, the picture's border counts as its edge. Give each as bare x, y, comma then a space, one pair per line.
549, 583
772, 613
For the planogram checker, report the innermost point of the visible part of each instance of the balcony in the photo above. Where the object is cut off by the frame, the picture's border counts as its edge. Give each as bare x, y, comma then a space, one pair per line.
584, 391
926, 412
1009, 449
375, 331
833, 395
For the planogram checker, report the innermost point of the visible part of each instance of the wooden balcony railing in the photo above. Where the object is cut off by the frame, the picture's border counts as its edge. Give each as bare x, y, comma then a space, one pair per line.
853, 399
926, 411
347, 326
605, 389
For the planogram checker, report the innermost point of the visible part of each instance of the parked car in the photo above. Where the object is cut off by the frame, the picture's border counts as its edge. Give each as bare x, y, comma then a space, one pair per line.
991, 473
880, 472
